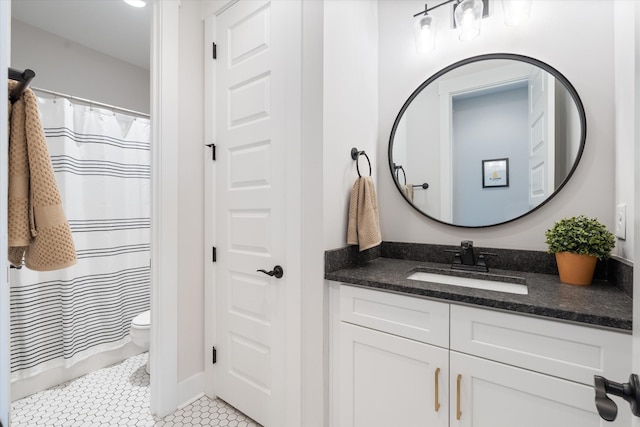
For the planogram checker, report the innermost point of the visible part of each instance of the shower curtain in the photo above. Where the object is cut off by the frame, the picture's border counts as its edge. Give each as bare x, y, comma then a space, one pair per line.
101, 160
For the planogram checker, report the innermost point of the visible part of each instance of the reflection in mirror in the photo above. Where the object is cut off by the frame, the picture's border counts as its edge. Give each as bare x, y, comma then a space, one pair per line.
452, 129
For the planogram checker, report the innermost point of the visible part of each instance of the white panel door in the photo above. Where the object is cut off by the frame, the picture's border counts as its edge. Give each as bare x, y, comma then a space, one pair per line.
492, 394
541, 137
389, 381
250, 208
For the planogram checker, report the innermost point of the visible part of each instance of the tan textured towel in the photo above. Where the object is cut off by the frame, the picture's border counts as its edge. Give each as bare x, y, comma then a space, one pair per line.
364, 224
408, 190
38, 229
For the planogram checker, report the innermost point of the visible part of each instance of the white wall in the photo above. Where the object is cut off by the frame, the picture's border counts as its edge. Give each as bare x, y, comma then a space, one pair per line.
72, 69
634, 64
423, 160
625, 34
572, 46
191, 192
5, 356
350, 106
313, 293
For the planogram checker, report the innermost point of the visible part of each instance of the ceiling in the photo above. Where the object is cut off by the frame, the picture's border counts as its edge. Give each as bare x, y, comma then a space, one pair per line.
108, 26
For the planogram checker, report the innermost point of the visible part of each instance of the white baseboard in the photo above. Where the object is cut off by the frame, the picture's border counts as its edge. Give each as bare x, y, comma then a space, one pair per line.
191, 389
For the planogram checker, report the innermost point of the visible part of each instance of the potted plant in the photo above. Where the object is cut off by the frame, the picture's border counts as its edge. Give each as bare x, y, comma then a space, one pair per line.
578, 242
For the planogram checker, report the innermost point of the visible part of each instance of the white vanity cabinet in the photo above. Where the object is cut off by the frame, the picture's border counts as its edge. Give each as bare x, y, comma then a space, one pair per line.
386, 380
402, 361
391, 360
499, 395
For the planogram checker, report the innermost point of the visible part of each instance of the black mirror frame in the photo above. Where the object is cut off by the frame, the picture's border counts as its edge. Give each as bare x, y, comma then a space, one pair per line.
567, 84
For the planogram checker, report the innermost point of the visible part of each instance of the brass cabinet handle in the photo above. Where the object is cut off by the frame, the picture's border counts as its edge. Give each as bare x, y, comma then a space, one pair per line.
437, 403
458, 412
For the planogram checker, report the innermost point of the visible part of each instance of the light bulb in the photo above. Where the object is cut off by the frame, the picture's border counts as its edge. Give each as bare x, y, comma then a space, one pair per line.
468, 15
468, 26
425, 31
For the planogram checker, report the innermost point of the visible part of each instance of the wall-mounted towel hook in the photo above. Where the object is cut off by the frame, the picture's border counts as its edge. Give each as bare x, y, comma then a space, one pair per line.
355, 155
23, 78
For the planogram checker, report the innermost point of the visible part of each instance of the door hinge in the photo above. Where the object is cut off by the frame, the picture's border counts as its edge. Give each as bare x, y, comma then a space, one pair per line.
213, 355
214, 255
213, 150
215, 51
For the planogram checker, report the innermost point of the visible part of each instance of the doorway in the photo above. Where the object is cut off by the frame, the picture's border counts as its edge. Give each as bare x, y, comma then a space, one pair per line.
82, 81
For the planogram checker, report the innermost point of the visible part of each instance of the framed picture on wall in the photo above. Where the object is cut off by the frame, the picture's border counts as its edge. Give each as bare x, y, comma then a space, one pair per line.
495, 173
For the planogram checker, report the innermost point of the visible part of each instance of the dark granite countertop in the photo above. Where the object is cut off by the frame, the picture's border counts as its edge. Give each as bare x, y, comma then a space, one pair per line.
599, 304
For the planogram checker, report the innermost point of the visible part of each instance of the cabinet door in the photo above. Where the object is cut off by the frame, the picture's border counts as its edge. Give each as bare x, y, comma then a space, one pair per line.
497, 395
385, 380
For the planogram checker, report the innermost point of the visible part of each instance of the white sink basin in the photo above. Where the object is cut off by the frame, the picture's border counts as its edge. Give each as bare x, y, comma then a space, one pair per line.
467, 282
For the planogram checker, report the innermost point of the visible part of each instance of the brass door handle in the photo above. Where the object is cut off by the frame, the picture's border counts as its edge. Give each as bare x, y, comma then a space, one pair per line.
458, 412
437, 401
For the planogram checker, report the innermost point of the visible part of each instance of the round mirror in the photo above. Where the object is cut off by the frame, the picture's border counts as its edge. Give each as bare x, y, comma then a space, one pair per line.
487, 140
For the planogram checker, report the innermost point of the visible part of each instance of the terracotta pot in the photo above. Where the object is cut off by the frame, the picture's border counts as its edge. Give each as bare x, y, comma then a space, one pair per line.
576, 269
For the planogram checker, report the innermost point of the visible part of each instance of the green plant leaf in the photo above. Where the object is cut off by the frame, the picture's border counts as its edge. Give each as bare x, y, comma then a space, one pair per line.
580, 235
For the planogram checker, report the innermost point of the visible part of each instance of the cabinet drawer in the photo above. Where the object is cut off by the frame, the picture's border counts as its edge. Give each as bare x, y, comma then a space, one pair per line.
415, 318
564, 350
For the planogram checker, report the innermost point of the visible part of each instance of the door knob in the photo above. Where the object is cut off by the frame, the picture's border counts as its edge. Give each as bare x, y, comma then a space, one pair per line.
277, 271
630, 392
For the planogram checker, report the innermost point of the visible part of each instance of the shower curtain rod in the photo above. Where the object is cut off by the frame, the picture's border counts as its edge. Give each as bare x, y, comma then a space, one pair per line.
92, 103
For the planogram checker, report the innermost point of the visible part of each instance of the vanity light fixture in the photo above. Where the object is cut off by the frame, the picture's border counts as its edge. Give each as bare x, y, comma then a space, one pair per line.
136, 3
467, 17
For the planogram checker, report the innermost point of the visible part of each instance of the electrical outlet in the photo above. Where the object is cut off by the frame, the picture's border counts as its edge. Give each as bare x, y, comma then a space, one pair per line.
621, 221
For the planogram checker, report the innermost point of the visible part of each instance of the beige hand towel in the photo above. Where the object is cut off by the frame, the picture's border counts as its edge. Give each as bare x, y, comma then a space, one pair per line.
408, 190
38, 229
364, 224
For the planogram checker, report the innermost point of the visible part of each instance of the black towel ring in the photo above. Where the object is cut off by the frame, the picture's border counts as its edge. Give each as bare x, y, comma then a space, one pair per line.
398, 168
355, 155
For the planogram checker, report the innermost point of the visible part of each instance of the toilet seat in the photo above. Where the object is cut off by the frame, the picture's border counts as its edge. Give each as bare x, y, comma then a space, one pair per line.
140, 332
142, 320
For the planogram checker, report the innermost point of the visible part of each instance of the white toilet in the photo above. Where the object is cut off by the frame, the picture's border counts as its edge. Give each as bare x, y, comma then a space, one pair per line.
140, 332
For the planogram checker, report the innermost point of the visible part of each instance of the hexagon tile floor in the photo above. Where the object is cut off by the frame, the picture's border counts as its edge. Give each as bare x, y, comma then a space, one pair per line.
117, 396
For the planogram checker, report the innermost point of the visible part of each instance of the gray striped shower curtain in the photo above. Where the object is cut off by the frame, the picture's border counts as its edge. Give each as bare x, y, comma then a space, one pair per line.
101, 160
